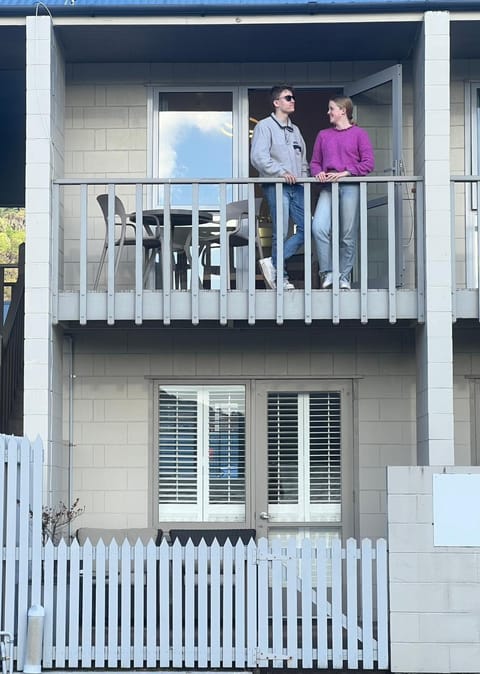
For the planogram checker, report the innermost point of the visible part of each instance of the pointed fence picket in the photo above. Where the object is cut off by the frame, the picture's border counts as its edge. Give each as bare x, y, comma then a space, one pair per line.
302, 605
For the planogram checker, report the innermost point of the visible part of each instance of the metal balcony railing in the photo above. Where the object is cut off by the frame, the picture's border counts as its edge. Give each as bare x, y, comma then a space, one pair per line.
465, 246
196, 261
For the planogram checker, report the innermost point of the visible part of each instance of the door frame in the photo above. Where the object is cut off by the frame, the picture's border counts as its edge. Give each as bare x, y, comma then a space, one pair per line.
392, 75
260, 453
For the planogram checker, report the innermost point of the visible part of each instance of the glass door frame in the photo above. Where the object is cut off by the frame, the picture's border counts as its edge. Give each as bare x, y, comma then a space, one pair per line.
472, 167
392, 75
153, 126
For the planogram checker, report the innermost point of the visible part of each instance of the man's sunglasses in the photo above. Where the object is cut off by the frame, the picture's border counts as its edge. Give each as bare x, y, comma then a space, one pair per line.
288, 98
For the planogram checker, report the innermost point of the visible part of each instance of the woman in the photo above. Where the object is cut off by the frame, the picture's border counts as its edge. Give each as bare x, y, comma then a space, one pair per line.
339, 152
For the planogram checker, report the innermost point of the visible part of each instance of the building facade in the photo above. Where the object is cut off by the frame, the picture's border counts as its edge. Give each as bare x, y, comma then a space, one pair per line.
166, 401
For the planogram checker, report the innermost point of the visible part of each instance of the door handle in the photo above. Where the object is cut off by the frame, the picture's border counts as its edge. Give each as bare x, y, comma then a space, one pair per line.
264, 516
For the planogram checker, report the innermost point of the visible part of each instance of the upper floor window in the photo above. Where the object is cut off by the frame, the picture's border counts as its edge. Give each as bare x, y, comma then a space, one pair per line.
195, 140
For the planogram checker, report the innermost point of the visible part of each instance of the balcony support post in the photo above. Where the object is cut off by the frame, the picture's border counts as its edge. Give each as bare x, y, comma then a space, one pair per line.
435, 441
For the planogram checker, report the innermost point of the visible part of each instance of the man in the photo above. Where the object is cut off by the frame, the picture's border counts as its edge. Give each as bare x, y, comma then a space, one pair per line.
278, 150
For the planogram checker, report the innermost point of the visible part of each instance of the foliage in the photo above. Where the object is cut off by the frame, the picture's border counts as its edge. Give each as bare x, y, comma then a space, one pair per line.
12, 233
54, 518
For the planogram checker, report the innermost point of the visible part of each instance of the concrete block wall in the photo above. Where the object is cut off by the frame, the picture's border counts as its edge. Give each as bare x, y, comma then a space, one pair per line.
434, 591
113, 422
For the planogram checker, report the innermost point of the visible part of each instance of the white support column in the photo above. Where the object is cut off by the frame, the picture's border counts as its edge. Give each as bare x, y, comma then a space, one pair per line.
44, 153
435, 441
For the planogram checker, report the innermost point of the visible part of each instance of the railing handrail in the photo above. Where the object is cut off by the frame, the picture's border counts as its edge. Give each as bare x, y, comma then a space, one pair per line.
224, 181
464, 179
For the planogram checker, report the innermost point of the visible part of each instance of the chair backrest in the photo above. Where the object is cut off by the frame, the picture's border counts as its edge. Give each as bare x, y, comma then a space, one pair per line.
209, 535
94, 534
119, 209
264, 231
238, 211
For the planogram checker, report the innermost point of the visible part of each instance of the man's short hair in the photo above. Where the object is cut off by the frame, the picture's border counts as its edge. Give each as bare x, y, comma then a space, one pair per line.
277, 90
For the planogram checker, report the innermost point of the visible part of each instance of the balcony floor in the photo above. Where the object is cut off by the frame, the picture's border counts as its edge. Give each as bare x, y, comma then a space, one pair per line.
261, 305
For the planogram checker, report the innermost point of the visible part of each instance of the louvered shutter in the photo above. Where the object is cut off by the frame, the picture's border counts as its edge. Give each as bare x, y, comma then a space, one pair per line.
201, 453
304, 456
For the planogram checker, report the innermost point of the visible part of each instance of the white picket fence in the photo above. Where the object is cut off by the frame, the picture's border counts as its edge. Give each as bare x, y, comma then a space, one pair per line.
257, 605
20, 540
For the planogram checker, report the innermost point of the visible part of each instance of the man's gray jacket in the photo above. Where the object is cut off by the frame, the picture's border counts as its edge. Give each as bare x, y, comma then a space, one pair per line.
278, 149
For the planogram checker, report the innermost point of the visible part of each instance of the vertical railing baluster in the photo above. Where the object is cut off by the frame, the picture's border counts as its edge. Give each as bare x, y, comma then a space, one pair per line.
278, 224
307, 255
112, 263
83, 253
195, 280
252, 238
478, 250
363, 254
55, 255
167, 254
453, 260
335, 253
224, 255
139, 254
392, 290
420, 257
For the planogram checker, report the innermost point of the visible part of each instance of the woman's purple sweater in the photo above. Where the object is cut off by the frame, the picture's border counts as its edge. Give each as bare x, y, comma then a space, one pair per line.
343, 150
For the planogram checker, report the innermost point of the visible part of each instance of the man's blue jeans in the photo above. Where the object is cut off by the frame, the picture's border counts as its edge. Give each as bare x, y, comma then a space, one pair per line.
292, 208
349, 199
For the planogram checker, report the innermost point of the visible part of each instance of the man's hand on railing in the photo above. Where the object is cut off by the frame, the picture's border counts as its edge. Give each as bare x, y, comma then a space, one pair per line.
289, 178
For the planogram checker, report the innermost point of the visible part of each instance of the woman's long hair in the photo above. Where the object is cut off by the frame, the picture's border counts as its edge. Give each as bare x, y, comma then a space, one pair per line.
346, 104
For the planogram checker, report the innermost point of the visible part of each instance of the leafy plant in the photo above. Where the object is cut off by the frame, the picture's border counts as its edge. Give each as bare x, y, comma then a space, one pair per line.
54, 518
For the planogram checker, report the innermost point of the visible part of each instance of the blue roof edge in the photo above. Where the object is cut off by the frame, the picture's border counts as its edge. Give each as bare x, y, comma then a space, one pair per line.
199, 7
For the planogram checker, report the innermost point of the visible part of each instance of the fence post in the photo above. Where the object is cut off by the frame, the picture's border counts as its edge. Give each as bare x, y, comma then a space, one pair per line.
33, 652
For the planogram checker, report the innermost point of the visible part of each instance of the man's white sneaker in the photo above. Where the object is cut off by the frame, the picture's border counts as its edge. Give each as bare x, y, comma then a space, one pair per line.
327, 280
344, 283
287, 285
269, 272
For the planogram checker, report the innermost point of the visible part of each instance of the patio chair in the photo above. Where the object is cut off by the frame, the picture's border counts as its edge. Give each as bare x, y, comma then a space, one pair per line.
132, 534
151, 243
237, 236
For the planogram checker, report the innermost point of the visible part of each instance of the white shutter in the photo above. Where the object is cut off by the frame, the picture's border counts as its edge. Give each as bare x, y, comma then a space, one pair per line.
201, 453
304, 456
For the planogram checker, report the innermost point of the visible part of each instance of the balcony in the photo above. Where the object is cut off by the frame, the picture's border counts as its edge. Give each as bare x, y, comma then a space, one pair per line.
465, 246
192, 272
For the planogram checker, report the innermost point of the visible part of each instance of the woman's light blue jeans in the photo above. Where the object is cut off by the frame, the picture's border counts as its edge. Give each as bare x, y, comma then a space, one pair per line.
349, 199
293, 207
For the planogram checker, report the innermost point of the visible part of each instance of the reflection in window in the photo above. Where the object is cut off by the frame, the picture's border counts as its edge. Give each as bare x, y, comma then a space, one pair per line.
195, 141
201, 453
